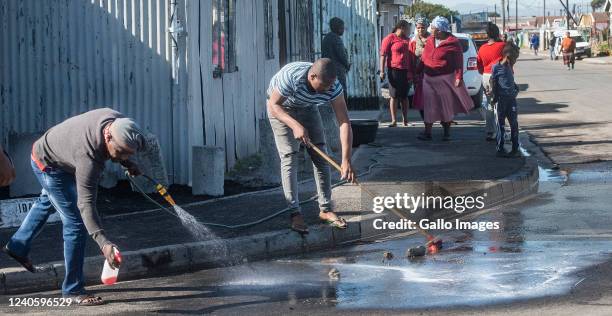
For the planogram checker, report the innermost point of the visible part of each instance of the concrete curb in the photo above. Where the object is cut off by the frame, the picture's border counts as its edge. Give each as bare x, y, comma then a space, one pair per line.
172, 259
598, 60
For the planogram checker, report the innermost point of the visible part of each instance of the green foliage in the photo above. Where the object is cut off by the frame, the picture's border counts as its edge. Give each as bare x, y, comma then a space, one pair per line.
494, 15
429, 10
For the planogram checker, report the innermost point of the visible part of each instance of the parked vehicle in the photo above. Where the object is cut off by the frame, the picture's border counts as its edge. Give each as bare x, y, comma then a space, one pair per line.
471, 76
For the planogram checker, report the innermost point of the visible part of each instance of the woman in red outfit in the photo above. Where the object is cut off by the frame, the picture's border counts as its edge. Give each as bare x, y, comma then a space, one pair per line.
489, 55
416, 47
443, 87
395, 56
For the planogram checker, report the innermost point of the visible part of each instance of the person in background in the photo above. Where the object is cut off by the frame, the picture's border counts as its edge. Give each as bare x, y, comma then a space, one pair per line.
416, 47
551, 46
395, 56
68, 161
443, 86
535, 43
333, 48
568, 48
7, 170
294, 94
504, 91
490, 54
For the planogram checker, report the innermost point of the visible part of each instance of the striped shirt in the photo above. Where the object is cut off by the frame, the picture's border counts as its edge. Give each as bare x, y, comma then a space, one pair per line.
292, 83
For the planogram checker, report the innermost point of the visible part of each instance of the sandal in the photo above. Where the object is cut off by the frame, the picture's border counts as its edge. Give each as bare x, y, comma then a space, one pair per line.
339, 222
299, 227
87, 300
393, 124
24, 261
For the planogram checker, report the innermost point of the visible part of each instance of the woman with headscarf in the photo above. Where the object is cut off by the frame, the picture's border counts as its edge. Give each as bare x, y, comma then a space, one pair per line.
443, 86
395, 56
416, 47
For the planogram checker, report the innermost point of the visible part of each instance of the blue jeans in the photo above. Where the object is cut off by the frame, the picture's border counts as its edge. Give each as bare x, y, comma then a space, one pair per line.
58, 193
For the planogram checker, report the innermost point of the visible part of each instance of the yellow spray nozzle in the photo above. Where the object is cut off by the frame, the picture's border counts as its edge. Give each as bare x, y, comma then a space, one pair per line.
164, 193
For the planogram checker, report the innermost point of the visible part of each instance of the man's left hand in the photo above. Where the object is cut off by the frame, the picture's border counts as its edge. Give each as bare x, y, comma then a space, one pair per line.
134, 171
457, 82
347, 172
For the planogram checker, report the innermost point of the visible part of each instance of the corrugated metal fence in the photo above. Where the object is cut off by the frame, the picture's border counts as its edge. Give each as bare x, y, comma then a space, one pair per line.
60, 58
360, 40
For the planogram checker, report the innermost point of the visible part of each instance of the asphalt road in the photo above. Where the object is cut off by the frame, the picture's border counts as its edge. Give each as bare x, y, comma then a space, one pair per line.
566, 112
550, 257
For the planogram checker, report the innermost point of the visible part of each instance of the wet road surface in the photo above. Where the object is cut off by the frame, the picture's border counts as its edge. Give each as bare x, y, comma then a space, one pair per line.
547, 248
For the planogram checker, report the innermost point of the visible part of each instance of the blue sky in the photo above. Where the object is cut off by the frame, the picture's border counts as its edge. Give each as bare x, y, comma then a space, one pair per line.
525, 7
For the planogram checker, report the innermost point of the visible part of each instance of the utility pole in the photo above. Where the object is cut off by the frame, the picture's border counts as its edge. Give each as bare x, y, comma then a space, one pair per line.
495, 16
516, 15
504, 16
567, 12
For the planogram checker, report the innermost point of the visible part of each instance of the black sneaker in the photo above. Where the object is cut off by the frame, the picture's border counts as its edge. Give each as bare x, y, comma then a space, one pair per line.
24, 261
424, 136
514, 154
501, 153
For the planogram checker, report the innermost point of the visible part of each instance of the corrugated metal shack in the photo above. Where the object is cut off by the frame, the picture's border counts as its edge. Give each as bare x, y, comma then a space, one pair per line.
193, 73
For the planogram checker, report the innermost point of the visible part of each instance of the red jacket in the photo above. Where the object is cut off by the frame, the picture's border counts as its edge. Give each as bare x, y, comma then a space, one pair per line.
444, 59
489, 54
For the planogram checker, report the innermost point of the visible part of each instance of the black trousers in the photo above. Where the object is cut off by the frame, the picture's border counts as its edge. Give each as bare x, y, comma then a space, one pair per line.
507, 109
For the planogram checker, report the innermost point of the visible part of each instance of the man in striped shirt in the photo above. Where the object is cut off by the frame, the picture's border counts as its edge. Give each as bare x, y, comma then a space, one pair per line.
293, 96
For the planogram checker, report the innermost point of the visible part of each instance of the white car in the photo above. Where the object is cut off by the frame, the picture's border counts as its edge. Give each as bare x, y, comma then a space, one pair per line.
471, 76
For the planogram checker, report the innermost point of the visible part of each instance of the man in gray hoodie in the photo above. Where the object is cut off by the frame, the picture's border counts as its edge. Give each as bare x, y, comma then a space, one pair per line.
68, 161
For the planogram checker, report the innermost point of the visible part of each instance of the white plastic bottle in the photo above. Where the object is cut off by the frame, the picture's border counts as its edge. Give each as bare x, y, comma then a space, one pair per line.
109, 274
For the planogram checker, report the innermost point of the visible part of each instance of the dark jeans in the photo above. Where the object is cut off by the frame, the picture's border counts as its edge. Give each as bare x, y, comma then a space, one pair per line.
58, 193
507, 109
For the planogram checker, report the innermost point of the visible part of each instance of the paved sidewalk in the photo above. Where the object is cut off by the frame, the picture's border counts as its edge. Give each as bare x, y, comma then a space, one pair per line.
599, 60
155, 243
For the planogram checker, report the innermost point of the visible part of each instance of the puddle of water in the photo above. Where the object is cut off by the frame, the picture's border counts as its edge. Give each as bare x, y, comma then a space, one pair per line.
487, 274
591, 176
552, 175
547, 174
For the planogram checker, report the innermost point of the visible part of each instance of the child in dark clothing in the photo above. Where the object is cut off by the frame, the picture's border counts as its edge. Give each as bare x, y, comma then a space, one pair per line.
504, 92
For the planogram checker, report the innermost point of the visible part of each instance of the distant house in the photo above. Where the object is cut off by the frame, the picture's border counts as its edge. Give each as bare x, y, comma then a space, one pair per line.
597, 21
389, 13
549, 22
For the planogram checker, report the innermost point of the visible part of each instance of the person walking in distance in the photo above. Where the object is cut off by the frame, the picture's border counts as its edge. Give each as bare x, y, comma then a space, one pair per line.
552, 43
568, 48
